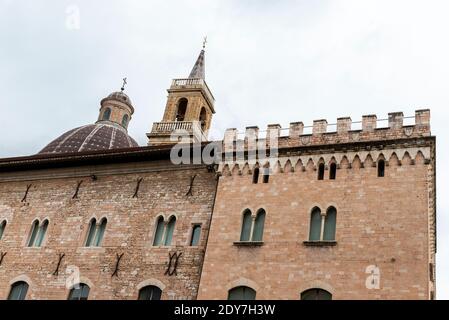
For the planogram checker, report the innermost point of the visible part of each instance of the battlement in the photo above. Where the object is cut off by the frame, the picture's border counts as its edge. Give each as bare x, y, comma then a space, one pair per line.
370, 128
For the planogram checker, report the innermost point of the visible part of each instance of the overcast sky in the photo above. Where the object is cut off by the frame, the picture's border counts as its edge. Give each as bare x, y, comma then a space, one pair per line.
266, 62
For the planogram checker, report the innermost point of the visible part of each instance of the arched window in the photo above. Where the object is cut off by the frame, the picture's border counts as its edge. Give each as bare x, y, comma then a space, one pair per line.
256, 175
2, 228
316, 294
329, 224
266, 175
169, 231
33, 233
100, 232
125, 120
106, 114
246, 226
41, 234
196, 232
322, 227
321, 171
79, 292
315, 225
18, 291
242, 293
333, 171
181, 110
159, 232
203, 117
150, 293
96, 232
37, 233
258, 226
381, 168
91, 232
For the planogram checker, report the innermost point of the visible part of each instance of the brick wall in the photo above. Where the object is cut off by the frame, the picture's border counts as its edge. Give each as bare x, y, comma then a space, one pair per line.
130, 228
380, 222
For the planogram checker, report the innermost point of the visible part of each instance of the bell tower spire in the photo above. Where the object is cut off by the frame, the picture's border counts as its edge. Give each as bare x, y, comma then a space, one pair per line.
189, 109
198, 70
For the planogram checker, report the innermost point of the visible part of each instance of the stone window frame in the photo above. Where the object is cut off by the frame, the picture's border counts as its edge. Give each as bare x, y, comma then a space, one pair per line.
189, 239
164, 233
21, 278
79, 283
97, 226
250, 241
39, 226
321, 241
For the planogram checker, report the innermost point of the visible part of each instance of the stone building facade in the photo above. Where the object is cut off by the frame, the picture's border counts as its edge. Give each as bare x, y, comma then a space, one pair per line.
331, 214
383, 245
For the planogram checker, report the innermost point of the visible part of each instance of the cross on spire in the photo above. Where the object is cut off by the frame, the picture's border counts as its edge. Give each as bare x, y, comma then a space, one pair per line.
204, 42
123, 85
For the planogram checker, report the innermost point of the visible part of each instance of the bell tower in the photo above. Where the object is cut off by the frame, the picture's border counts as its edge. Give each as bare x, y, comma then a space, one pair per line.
189, 109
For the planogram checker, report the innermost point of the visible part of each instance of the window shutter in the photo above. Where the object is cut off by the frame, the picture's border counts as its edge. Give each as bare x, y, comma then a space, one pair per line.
330, 224
100, 232
258, 226
315, 225
169, 231
246, 226
159, 232
41, 234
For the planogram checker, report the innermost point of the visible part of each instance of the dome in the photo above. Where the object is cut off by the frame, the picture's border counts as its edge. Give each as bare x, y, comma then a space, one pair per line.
99, 136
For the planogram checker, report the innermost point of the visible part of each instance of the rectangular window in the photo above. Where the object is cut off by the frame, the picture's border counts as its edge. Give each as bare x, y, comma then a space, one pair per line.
196, 232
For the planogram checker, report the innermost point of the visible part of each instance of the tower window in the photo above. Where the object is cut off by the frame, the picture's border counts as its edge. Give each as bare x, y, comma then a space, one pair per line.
321, 171
333, 171
258, 226
150, 293
106, 114
96, 232
18, 291
323, 226
2, 228
256, 175
252, 229
37, 233
125, 121
79, 292
159, 232
266, 175
195, 238
381, 168
247, 222
203, 117
181, 110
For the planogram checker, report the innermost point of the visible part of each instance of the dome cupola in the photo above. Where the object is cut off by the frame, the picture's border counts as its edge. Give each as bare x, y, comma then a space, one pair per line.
109, 132
116, 108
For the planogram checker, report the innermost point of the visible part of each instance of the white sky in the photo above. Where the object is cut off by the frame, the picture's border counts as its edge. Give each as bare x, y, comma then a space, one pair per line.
266, 62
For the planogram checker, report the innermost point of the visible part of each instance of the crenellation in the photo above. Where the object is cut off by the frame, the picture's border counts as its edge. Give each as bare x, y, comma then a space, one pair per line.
395, 120
343, 134
296, 129
369, 123
344, 125
319, 127
273, 131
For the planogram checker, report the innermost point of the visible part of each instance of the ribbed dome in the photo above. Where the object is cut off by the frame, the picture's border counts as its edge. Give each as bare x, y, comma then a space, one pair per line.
99, 136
